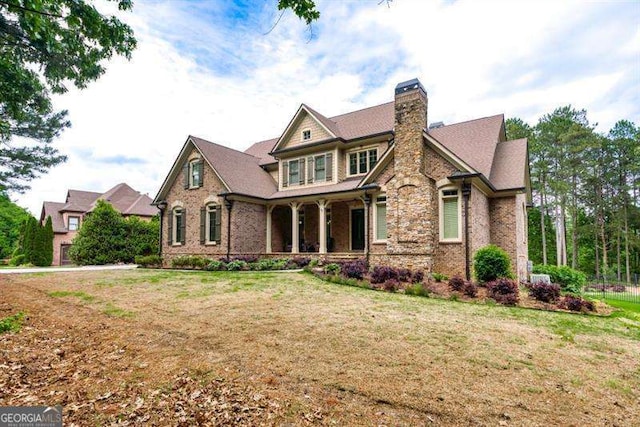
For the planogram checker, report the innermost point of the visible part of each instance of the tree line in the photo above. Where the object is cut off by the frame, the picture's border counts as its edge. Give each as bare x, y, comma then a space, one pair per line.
586, 193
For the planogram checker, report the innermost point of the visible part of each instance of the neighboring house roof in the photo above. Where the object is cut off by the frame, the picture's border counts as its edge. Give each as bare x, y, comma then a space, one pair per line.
241, 172
122, 197
53, 209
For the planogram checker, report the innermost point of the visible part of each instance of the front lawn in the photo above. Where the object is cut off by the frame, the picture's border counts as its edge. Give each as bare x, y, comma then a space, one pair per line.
244, 348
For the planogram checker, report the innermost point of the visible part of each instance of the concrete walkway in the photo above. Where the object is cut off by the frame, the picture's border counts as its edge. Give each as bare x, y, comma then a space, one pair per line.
66, 269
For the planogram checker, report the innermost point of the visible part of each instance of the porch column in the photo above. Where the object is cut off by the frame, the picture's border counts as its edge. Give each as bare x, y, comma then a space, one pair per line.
322, 224
295, 228
366, 202
268, 241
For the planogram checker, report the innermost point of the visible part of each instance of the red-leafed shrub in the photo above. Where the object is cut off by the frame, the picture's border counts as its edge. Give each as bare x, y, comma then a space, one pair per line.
456, 283
576, 303
381, 274
391, 285
470, 289
404, 275
418, 276
504, 291
545, 292
354, 269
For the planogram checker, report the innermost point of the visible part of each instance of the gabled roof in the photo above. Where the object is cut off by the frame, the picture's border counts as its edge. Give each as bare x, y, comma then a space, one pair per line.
240, 171
79, 201
127, 201
53, 209
474, 141
510, 165
262, 149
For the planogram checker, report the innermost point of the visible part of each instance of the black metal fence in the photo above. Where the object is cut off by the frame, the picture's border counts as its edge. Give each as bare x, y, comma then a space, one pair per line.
611, 288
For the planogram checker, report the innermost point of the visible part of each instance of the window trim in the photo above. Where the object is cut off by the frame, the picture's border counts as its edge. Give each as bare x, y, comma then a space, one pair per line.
304, 131
368, 165
192, 164
176, 212
69, 222
376, 205
441, 198
212, 207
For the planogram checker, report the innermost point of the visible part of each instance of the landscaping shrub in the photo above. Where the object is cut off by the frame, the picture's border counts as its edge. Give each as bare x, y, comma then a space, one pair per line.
355, 269
456, 283
391, 285
618, 288
19, 259
418, 276
490, 263
148, 260
470, 289
439, 277
190, 261
237, 265
404, 275
545, 292
216, 266
570, 280
314, 263
380, 274
576, 303
332, 268
504, 291
417, 289
247, 259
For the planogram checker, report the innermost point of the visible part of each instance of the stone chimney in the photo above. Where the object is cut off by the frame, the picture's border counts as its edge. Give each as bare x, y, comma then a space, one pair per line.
410, 121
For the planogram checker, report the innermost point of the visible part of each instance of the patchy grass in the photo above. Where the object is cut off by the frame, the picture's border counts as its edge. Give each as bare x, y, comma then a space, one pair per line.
293, 349
12, 323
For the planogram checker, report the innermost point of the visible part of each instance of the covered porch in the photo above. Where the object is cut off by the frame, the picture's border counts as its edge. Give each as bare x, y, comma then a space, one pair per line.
333, 226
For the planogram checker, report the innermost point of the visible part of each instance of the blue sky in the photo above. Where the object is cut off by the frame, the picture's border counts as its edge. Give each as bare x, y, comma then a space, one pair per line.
213, 69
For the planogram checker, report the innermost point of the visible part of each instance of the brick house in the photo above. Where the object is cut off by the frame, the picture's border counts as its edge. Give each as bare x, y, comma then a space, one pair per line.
67, 217
377, 183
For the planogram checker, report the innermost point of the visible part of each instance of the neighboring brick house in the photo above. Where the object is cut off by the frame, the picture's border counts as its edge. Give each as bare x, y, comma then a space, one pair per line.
376, 183
67, 217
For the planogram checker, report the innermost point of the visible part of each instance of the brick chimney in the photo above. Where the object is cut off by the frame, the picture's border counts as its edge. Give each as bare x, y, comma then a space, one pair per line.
410, 121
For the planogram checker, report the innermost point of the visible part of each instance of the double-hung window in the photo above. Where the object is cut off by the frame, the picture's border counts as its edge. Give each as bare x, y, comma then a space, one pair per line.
177, 224
450, 221
361, 162
74, 223
381, 218
294, 172
210, 220
319, 168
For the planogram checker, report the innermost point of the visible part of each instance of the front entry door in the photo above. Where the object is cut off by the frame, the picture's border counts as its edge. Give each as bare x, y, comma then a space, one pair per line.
357, 229
64, 255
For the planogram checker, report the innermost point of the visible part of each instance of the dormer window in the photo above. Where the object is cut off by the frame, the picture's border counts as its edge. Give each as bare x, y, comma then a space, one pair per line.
306, 134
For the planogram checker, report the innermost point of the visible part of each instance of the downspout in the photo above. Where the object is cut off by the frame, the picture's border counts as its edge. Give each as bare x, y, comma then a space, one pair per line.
229, 204
466, 194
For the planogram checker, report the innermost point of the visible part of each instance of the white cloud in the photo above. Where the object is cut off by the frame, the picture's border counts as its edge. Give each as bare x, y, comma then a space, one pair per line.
208, 69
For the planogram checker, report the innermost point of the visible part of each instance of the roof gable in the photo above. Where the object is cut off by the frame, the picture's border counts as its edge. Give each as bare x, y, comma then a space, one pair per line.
306, 118
510, 165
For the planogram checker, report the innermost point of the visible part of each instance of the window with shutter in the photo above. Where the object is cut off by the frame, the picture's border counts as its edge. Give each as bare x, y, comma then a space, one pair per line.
285, 173
170, 227
213, 223
449, 215
294, 172
319, 168
178, 226
203, 225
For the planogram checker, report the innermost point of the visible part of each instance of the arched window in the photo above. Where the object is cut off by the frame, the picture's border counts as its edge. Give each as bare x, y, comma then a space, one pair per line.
177, 225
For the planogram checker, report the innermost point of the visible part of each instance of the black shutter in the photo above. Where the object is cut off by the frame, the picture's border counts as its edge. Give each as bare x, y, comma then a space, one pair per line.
184, 225
310, 167
218, 213
285, 173
203, 225
201, 163
185, 172
170, 227
328, 166
301, 171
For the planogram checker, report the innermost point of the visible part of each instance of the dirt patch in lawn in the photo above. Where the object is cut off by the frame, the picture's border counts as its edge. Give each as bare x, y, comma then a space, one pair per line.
156, 347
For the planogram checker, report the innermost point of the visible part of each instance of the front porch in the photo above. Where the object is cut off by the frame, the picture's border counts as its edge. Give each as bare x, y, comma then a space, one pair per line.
321, 227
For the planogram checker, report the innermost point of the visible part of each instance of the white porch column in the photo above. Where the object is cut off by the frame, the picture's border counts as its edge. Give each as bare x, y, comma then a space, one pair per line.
322, 223
268, 241
295, 228
366, 202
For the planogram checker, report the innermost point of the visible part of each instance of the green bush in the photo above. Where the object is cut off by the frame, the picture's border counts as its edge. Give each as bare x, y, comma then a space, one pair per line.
148, 260
190, 261
216, 266
237, 265
417, 289
491, 263
332, 268
19, 259
439, 277
570, 280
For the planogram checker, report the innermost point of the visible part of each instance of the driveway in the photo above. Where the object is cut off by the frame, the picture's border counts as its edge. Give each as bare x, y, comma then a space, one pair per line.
64, 269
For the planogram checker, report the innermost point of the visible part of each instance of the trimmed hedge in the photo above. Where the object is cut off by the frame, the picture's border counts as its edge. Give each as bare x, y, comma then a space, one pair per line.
570, 280
491, 263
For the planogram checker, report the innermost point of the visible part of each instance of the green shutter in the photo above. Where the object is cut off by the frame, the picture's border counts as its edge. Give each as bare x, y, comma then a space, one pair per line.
203, 225
183, 226
310, 170
328, 166
185, 172
450, 218
353, 163
381, 221
218, 213
301, 171
170, 227
285, 173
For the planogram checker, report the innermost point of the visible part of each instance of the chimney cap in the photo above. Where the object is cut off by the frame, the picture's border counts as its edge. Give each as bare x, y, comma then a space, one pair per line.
436, 125
409, 85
